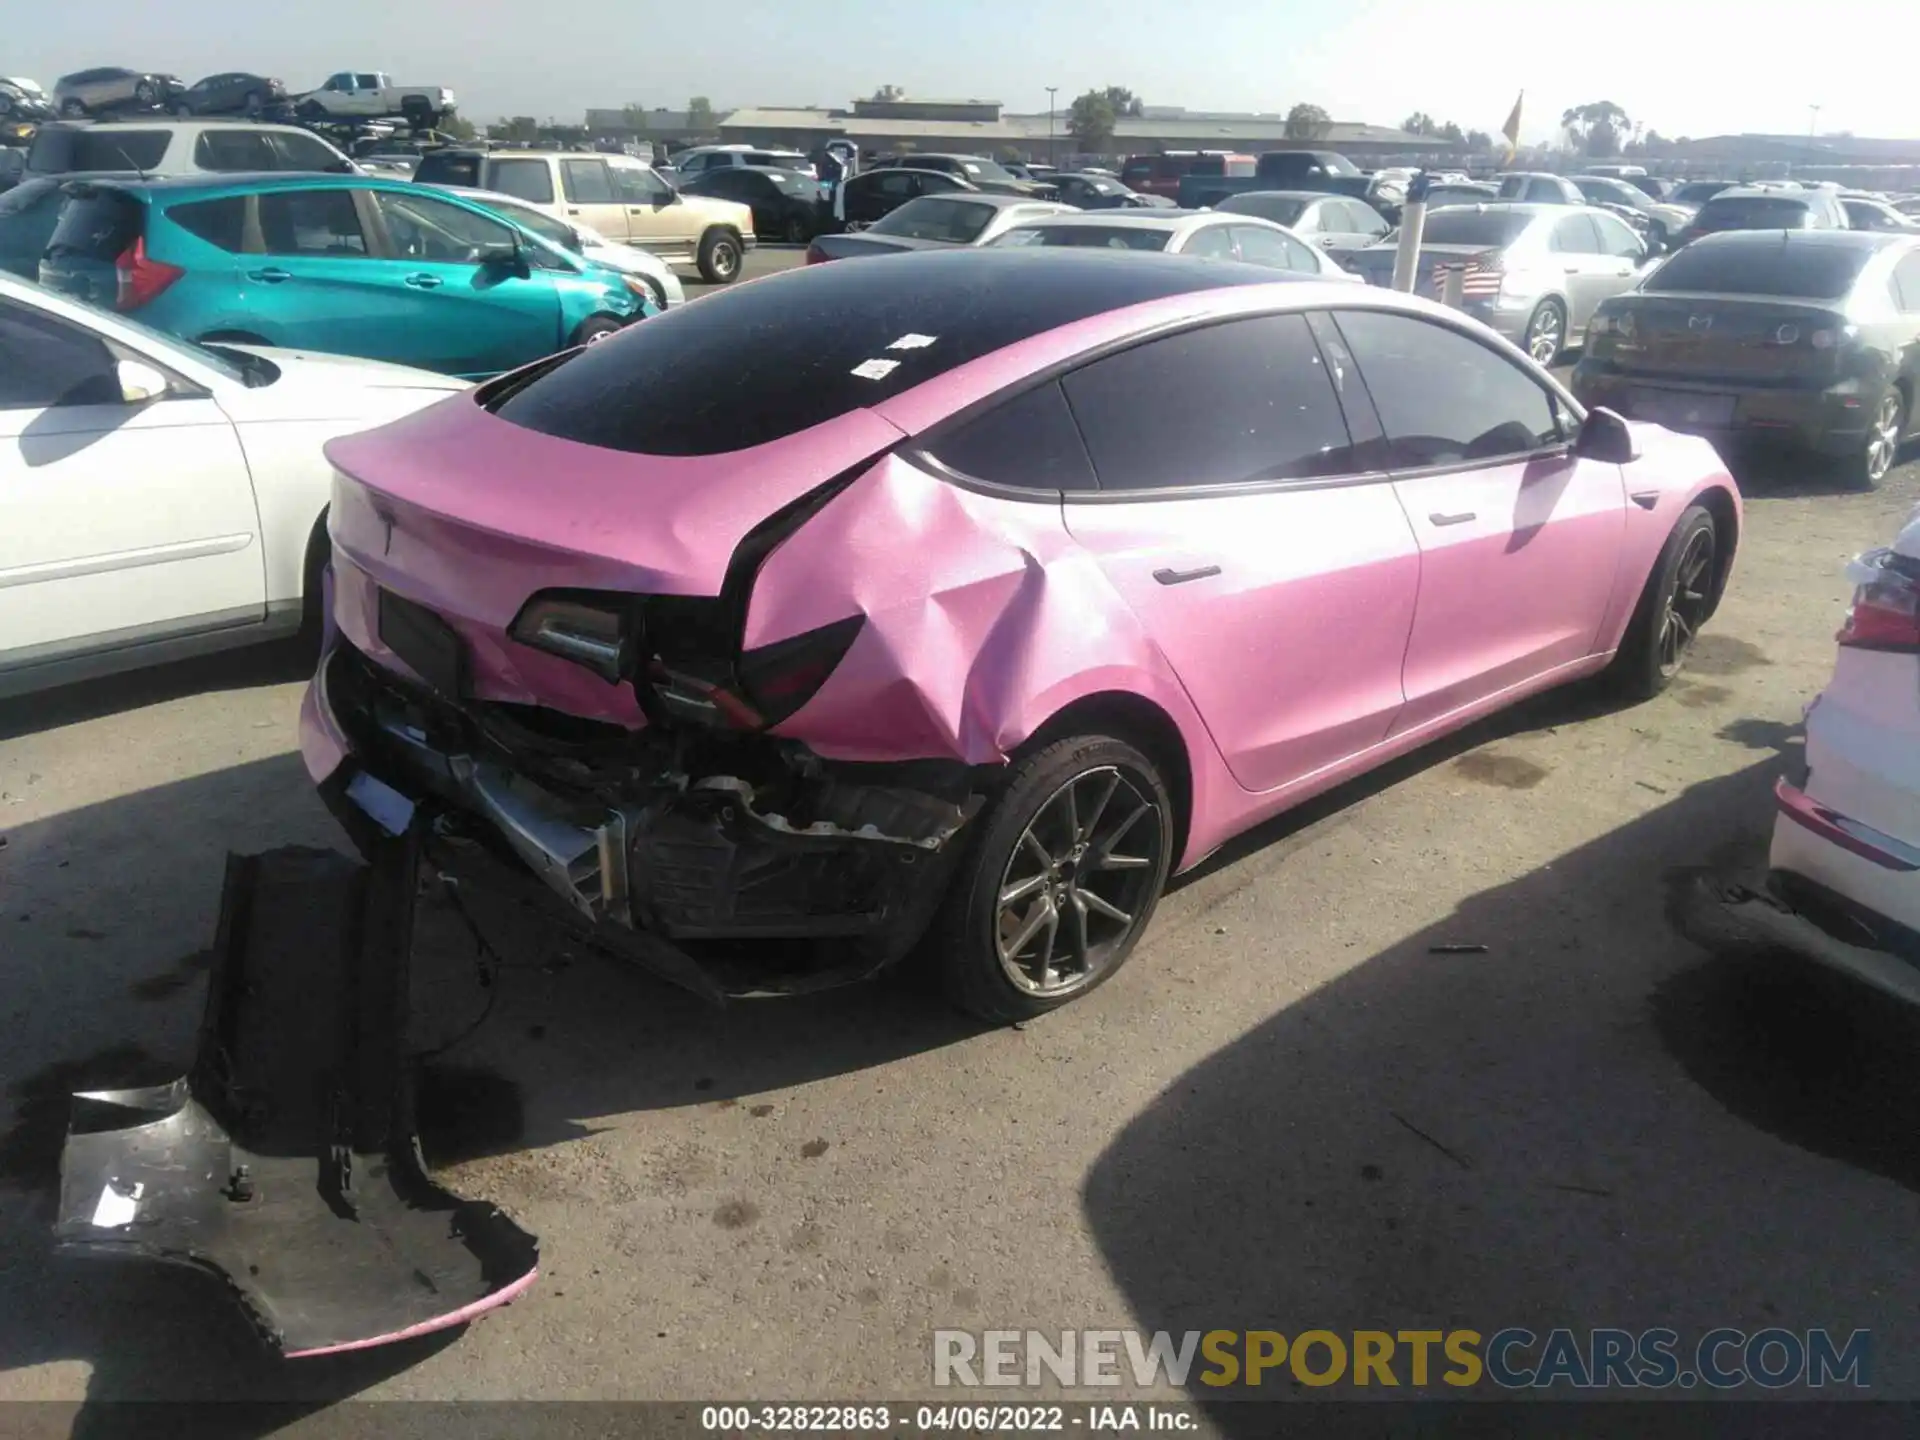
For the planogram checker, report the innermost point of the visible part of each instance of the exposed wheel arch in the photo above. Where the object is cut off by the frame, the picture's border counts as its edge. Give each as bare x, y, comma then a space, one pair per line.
1718, 501
1141, 723
312, 582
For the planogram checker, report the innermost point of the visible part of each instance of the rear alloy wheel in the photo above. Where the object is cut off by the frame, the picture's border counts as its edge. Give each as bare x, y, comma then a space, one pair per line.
1867, 469
596, 328
795, 231
719, 257
253, 104
143, 93
73, 109
1546, 333
1060, 882
1678, 599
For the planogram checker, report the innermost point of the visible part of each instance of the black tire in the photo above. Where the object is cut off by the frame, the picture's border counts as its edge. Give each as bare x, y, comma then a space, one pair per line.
310, 110
1647, 662
720, 256
182, 110
657, 291
1545, 337
796, 231
966, 938
595, 328
1886, 423
313, 596
73, 109
253, 104
143, 93
418, 117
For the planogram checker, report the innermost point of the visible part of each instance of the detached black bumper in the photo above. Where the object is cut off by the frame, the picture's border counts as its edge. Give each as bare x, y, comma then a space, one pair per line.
286, 1160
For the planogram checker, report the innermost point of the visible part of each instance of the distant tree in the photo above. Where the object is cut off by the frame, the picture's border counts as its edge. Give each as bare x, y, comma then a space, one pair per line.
1126, 104
1307, 122
700, 114
1451, 131
1419, 123
1479, 140
890, 92
459, 127
520, 128
1600, 124
1090, 120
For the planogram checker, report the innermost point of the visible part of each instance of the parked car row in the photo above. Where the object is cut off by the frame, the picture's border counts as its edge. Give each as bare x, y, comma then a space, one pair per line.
115, 90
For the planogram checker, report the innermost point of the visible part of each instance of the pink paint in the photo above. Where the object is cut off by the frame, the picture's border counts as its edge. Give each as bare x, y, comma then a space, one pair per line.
473, 1311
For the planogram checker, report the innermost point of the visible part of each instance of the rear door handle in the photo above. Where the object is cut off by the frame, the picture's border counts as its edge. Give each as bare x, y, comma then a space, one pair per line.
272, 275
424, 282
1462, 518
1181, 577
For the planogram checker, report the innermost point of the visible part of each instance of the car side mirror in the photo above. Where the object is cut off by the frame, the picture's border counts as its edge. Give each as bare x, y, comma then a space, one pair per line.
140, 382
1606, 436
508, 261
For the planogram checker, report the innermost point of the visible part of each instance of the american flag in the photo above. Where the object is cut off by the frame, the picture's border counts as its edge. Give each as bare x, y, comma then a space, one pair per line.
1478, 280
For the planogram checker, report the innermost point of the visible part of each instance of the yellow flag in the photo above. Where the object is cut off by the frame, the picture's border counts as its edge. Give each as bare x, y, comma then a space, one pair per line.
1512, 128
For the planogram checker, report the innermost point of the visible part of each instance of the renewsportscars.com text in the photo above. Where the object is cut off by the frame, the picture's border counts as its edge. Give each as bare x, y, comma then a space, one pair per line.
1513, 1358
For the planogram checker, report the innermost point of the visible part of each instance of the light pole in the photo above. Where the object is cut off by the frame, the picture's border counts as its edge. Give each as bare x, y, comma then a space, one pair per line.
1052, 90
1813, 118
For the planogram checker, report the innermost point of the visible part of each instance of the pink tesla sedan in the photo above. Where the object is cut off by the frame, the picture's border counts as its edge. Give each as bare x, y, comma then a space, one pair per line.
965, 597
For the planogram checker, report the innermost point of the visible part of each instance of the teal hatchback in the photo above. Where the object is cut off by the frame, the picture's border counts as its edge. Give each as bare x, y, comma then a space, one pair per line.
349, 264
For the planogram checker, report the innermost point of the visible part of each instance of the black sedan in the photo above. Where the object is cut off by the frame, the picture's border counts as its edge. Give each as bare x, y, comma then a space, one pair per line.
874, 194
1801, 338
786, 204
233, 92
1103, 192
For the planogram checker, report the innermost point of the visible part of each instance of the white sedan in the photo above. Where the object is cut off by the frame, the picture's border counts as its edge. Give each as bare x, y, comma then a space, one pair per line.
582, 240
1843, 882
159, 499
1209, 234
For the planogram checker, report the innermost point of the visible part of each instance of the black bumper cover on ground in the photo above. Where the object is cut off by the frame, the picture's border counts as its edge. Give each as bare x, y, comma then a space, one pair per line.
286, 1160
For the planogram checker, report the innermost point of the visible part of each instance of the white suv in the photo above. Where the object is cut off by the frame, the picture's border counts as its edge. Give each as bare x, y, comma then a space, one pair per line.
702, 159
180, 147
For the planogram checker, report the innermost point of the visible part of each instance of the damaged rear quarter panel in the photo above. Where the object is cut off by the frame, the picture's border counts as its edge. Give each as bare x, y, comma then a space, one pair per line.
984, 619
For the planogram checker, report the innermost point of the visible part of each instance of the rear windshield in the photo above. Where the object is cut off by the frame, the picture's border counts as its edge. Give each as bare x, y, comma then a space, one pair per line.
935, 217
449, 169
1281, 212
59, 152
97, 224
790, 351
1088, 237
1492, 228
1753, 212
1802, 272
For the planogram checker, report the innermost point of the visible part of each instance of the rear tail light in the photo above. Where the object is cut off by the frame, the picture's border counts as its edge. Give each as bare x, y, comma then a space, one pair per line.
588, 630
141, 278
1885, 613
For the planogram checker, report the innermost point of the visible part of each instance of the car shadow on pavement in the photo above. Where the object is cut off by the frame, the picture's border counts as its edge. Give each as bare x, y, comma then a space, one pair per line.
280, 662
1536, 1135
107, 914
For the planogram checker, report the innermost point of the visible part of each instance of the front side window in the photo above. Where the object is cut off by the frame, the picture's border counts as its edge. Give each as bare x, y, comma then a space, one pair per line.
1574, 235
1259, 246
45, 362
895, 184
305, 152
529, 180
1211, 242
586, 182
439, 231
637, 185
1240, 402
1616, 239
311, 222
1443, 398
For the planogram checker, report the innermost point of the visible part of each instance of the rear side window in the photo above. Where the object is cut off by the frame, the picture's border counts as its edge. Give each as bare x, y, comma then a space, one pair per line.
58, 152
1574, 235
218, 222
305, 152
825, 339
1030, 442
1753, 212
1802, 271
1244, 401
459, 168
1443, 398
530, 180
44, 361
234, 151
99, 224
1094, 237
586, 181
311, 222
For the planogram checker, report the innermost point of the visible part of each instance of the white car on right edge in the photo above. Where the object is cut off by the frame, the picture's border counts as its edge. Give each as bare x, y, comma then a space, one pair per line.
1843, 882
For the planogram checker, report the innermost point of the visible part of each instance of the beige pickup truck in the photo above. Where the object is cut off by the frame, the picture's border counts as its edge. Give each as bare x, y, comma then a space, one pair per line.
616, 195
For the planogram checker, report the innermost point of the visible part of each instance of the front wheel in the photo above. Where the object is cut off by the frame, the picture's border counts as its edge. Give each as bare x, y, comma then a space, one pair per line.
1678, 598
253, 104
143, 93
595, 328
73, 109
1061, 878
720, 257
795, 231
1865, 470
1546, 333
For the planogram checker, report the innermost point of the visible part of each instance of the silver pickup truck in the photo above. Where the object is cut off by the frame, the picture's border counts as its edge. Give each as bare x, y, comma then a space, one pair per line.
371, 94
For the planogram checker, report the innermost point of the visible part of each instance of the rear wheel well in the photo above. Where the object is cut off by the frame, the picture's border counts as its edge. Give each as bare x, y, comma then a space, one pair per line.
312, 577
1142, 724
1718, 502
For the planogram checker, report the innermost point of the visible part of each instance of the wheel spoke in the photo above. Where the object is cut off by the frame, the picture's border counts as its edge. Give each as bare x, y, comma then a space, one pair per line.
1124, 862
1080, 956
1085, 836
1105, 849
1099, 902
1020, 890
1073, 812
1036, 849
1043, 972
1037, 917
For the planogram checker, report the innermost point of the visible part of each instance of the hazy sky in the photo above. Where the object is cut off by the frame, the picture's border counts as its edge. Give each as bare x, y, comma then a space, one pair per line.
1684, 67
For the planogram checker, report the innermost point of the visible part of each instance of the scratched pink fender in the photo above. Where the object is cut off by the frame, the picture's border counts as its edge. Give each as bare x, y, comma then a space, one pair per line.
1327, 627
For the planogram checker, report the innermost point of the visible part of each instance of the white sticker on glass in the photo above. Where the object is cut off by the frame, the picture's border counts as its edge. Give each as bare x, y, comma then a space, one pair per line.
875, 369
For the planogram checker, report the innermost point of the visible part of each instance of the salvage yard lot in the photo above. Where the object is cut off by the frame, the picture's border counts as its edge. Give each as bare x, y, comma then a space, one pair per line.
1287, 1112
